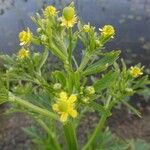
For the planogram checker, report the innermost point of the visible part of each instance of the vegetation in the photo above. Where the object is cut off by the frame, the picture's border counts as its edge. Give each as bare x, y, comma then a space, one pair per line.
96, 82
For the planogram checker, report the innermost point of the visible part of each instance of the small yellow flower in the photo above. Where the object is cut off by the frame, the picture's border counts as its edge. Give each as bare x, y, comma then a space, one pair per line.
86, 28
69, 18
25, 37
108, 30
136, 71
23, 53
50, 11
68, 23
65, 106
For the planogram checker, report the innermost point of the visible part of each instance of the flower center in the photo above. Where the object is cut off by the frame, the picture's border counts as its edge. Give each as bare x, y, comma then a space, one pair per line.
63, 106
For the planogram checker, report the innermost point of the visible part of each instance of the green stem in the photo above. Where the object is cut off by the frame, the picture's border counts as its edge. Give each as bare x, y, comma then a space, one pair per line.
50, 133
44, 58
96, 132
84, 61
70, 46
34, 108
70, 135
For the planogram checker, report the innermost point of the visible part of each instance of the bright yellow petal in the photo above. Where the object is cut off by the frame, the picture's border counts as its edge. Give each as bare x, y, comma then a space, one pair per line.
72, 98
55, 107
63, 96
73, 113
63, 117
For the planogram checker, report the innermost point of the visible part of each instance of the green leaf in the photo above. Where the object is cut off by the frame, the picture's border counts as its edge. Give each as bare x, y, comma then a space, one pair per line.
98, 107
3, 93
102, 64
141, 82
59, 76
106, 81
135, 111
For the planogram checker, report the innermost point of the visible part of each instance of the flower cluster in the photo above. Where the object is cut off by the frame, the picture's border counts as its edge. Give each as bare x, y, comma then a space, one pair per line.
69, 18
23, 53
65, 106
108, 31
25, 37
50, 11
135, 71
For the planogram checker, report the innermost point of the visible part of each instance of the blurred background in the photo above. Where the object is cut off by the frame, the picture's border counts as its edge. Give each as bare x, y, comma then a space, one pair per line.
131, 19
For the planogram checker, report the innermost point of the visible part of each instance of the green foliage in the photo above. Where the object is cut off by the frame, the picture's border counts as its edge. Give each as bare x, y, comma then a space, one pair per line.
67, 93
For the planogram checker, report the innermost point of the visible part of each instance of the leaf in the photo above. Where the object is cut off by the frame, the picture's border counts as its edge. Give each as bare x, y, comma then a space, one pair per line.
141, 82
3, 93
135, 111
98, 107
102, 64
59, 76
106, 81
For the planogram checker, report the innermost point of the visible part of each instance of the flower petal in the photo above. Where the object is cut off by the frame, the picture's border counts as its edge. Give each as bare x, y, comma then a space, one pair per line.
72, 98
55, 107
73, 113
63, 117
63, 96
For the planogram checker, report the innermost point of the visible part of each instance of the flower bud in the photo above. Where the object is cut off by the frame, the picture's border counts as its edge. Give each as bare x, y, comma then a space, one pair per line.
129, 90
86, 28
68, 13
39, 30
86, 100
98, 43
43, 38
90, 90
57, 86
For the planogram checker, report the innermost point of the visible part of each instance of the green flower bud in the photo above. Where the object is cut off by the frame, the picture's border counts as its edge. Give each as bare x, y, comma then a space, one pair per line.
129, 90
43, 38
86, 28
68, 13
39, 30
57, 86
90, 90
98, 43
86, 100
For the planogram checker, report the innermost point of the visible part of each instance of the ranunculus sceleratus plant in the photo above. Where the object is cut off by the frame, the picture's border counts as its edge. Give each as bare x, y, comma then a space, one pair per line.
93, 82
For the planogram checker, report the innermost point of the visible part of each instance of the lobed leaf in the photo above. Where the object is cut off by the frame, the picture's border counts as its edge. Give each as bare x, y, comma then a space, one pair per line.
102, 64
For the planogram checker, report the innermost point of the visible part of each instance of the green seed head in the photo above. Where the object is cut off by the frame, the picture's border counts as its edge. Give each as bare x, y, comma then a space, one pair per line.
68, 13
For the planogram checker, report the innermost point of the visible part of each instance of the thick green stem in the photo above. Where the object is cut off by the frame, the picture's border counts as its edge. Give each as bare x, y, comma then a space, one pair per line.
50, 133
70, 135
96, 132
34, 108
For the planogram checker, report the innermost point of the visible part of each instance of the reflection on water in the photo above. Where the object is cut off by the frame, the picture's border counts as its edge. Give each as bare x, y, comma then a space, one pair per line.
131, 19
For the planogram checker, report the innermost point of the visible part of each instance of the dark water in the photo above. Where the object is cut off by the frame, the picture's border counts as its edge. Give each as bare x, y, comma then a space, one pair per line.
131, 18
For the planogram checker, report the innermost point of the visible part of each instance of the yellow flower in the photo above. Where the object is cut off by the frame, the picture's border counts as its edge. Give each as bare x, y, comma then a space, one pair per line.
50, 11
108, 30
68, 23
25, 37
23, 53
65, 106
69, 18
86, 28
136, 71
